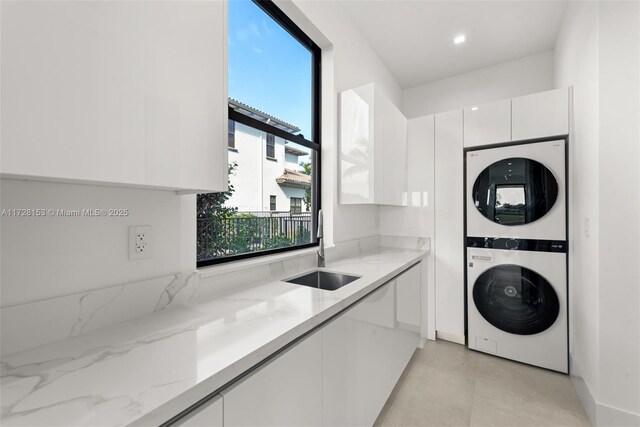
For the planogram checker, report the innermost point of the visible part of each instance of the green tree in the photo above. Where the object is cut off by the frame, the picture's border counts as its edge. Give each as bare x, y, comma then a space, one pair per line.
306, 169
212, 217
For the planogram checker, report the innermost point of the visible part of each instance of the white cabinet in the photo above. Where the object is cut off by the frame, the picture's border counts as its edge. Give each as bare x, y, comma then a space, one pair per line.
287, 391
343, 371
449, 223
541, 114
487, 123
408, 298
208, 415
373, 149
365, 352
122, 93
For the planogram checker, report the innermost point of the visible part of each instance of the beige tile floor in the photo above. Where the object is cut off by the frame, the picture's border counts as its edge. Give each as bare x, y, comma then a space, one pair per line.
446, 384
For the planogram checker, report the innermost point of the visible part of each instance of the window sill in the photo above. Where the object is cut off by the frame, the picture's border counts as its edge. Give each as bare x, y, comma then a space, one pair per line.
235, 150
273, 159
215, 270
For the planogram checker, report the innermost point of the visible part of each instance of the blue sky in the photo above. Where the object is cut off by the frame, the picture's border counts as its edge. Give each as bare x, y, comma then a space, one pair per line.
268, 68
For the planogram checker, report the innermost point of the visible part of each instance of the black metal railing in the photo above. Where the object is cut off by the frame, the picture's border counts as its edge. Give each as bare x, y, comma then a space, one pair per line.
251, 232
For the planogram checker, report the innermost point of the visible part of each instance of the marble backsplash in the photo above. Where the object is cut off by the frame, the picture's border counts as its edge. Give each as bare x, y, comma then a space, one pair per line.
33, 324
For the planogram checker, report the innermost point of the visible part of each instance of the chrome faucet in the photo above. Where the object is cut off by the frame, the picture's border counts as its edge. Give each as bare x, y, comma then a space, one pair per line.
320, 237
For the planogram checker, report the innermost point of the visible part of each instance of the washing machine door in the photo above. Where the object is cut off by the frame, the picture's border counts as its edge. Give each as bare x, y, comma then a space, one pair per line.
515, 191
516, 300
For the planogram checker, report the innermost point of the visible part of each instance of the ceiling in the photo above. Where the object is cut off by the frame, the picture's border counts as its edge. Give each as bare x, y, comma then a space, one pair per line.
415, 37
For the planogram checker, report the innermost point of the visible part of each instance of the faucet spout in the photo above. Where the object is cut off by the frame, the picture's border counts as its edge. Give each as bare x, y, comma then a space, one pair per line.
320, 236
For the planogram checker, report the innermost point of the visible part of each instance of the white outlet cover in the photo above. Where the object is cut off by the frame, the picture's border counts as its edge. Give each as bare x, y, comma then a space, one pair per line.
140, 242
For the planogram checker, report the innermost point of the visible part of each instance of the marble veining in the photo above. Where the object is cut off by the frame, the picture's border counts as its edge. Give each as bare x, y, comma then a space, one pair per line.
55, 319
406, 242
149, 368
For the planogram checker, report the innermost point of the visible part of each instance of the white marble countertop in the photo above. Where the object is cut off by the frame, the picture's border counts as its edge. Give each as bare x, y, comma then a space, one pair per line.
147, 370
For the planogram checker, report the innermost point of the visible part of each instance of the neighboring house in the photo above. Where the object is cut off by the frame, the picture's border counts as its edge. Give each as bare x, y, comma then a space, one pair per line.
268, 175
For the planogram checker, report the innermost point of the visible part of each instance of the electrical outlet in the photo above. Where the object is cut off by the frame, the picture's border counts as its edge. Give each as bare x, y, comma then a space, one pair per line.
140, 242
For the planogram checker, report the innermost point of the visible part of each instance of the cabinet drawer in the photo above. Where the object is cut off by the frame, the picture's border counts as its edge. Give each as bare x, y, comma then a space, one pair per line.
287, 391
208, 415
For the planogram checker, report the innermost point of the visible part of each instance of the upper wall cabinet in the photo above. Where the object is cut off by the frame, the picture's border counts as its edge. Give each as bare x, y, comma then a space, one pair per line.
373, 149
541, 114
125, 93
487, 123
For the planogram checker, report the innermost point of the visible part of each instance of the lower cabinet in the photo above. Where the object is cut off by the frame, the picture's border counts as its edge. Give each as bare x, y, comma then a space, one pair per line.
341, 375
287, 391
208, 415
365, 351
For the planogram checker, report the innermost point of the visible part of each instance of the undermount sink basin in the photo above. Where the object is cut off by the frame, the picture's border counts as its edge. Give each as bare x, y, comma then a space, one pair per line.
323, 280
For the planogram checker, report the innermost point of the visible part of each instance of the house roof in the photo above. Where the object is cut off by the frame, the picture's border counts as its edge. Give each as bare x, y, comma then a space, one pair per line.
262, 116
291, 178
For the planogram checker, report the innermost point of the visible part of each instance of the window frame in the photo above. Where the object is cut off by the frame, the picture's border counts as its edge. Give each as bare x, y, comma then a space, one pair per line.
270, 8
231, 134
298, 205
270, 141
273, 203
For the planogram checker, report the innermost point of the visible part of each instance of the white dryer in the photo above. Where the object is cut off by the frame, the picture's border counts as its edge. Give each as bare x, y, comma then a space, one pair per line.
517, 191
517, 300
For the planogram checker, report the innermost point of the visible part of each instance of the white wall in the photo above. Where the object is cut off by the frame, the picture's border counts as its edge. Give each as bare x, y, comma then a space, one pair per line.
50, 256
522, 76
619, 177
576, 64
598, 51
353, 63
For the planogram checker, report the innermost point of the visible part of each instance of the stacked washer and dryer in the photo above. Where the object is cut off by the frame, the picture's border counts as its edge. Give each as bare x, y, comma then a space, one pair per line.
517, 253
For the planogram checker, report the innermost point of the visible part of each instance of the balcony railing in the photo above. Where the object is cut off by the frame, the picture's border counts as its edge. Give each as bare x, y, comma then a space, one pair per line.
251, 232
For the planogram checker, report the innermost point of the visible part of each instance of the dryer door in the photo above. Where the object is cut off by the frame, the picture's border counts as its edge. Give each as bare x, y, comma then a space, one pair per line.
515, 191
516, 300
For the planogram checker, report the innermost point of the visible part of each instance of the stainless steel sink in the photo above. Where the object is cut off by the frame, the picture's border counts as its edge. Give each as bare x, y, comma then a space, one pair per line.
323, 280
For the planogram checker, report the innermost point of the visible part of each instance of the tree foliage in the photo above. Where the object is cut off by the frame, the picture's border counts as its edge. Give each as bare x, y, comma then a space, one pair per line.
223, 231
306, 169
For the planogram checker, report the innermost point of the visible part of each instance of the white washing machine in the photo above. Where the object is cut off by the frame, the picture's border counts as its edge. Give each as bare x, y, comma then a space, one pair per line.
517, 191
517, 300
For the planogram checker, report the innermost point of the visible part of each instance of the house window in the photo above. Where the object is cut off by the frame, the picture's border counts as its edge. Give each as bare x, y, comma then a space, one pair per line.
296, 205
271, 146
232, 134
274, 92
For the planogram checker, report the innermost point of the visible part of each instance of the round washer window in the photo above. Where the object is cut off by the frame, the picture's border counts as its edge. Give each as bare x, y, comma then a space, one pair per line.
515, 191
516, 300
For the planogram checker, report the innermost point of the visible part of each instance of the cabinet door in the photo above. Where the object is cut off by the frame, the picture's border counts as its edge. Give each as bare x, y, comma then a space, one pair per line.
373, 149
208, 415
395, 160
408, 300
343, 371
541, 114
287, 391
388, 349
487, 123
356, 155
449, 223
126, 93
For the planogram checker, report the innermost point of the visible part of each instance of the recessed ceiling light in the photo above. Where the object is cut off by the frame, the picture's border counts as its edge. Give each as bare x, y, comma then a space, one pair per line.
459, 39
474, 108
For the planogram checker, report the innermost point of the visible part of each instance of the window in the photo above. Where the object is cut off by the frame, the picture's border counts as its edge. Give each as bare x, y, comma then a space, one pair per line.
232, 134
271, 146
296, 205
274, 102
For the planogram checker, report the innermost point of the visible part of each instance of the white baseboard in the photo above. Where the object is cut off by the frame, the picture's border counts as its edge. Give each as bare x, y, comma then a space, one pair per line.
608, 416
600, 414
447, 336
